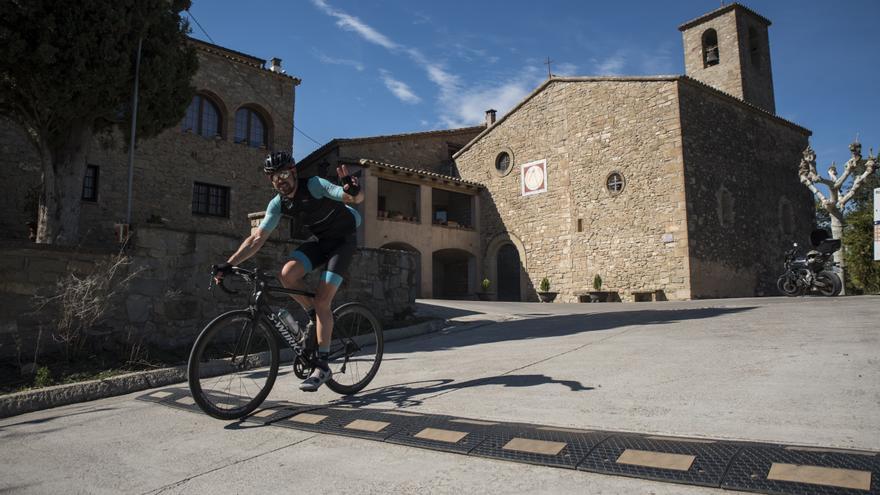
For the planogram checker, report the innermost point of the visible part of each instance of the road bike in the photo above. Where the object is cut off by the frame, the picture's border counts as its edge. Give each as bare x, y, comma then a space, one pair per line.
235, 359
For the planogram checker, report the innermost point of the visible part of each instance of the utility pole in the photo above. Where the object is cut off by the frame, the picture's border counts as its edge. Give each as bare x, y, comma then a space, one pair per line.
134, 110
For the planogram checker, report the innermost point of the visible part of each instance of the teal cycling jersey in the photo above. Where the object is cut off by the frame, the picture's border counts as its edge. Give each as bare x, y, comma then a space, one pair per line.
320, 203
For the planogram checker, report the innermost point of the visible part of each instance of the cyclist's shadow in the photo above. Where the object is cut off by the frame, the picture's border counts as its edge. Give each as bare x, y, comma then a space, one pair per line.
415, 393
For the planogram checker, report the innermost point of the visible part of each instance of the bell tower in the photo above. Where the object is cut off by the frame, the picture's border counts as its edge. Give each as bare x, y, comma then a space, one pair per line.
729, 49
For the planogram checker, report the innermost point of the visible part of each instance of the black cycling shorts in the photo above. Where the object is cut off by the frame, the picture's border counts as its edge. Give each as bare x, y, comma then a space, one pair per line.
336, 252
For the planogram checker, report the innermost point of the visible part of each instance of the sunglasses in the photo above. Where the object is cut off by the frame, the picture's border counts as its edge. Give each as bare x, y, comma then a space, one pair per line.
283, 175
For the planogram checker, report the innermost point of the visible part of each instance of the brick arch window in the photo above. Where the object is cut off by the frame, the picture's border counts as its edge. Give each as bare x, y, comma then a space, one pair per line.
710, 48
251, 128
203, 117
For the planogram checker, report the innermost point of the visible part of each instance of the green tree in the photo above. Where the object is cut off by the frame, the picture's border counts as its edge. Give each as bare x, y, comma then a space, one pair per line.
858, 240
67, 72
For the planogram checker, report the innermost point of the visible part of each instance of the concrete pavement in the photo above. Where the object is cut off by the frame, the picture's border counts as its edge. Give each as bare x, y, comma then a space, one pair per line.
801, 371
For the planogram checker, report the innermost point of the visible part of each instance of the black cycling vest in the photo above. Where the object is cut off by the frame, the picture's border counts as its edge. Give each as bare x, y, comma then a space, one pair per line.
324, 217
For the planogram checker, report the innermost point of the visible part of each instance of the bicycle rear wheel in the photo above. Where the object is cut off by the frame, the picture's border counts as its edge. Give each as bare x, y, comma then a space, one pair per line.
233, 365
356, 348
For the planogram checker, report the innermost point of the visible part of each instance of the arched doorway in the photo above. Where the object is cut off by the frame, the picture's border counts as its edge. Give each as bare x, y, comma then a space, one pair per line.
453, 272
508, 269
402, 246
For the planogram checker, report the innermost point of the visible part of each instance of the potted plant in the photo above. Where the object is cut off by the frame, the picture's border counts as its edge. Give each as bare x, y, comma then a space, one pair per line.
544, 291
485, 295
597, 295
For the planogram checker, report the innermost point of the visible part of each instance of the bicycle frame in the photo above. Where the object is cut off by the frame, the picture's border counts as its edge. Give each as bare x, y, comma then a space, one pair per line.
259, 307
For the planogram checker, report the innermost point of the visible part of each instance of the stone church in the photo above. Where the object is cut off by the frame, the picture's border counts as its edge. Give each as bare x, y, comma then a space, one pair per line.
668, 187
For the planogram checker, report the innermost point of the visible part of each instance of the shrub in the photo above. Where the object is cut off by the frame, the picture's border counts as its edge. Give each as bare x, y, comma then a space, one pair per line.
486, 283
597, 282
545, 285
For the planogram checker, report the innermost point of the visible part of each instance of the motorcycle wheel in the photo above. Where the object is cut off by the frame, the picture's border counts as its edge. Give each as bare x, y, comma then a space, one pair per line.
828, 283
788, 286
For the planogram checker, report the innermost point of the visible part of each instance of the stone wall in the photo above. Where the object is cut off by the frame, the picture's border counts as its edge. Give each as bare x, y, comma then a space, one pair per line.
745, 203
735, 74
431, 151
166, 166
586, 129
167, 304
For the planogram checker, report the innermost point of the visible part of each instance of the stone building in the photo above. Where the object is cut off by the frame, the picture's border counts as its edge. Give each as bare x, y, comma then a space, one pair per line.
677, 187
414, 201
202, 175
667, 187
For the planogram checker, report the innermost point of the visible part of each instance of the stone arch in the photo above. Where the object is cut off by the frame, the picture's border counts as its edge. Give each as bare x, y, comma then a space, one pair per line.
222, 109
402, 246
490, 267
265, 116
711, 54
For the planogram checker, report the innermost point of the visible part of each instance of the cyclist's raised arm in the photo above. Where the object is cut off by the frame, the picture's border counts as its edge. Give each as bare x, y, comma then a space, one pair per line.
320, 187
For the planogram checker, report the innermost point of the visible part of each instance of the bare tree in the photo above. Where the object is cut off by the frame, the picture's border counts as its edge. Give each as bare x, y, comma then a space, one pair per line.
837, 198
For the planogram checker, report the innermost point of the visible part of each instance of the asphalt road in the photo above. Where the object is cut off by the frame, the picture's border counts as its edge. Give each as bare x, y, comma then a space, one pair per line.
803, 371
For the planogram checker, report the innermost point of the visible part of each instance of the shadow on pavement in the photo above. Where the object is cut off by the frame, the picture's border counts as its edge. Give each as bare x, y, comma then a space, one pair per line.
50, 418
554, 326
414, 393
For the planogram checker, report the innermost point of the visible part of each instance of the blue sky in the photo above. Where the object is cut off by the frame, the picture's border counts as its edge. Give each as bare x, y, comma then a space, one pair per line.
393, 66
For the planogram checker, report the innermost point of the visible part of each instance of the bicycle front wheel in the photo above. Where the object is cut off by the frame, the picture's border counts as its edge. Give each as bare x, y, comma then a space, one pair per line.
355, 349
233, 365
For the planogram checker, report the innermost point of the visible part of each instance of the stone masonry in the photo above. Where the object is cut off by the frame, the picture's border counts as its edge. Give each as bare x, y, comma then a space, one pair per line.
586, 129
167, 166
740, 159
168, 303
677, 143
744, 70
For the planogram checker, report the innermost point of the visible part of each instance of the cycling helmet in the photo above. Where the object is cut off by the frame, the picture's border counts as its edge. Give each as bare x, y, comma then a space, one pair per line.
278, 160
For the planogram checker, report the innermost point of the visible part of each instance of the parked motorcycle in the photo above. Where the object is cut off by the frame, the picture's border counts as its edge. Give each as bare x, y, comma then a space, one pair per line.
813, 272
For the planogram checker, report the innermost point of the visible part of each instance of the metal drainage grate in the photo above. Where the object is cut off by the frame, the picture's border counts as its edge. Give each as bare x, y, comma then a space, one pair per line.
271, 411
347, 421
804, 471
439, 433
545, 447
695, 462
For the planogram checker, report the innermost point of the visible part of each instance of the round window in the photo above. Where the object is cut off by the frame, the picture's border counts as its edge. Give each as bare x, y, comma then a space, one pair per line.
502, 162
614, 183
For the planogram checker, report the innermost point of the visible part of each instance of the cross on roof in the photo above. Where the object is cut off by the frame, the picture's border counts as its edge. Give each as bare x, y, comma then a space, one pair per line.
547, 63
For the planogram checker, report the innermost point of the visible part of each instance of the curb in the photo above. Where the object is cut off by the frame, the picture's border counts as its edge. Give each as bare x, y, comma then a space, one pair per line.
62, 395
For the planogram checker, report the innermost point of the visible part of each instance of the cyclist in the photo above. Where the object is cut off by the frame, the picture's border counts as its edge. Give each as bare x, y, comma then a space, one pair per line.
333, 225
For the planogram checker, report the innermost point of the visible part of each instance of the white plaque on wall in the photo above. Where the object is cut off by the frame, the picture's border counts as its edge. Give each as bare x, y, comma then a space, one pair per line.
533, 177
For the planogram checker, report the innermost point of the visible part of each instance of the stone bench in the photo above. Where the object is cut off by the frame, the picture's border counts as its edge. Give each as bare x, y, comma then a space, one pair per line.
648, 295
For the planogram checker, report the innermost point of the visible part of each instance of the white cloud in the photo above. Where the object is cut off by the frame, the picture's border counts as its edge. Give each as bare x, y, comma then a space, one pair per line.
459, 106
446, 81
566, 69
352, 23
468, 107
338, 61
611, 66
399, 88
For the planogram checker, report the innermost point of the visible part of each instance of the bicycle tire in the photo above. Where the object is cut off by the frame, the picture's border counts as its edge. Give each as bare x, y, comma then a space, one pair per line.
356, 348
214, 355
